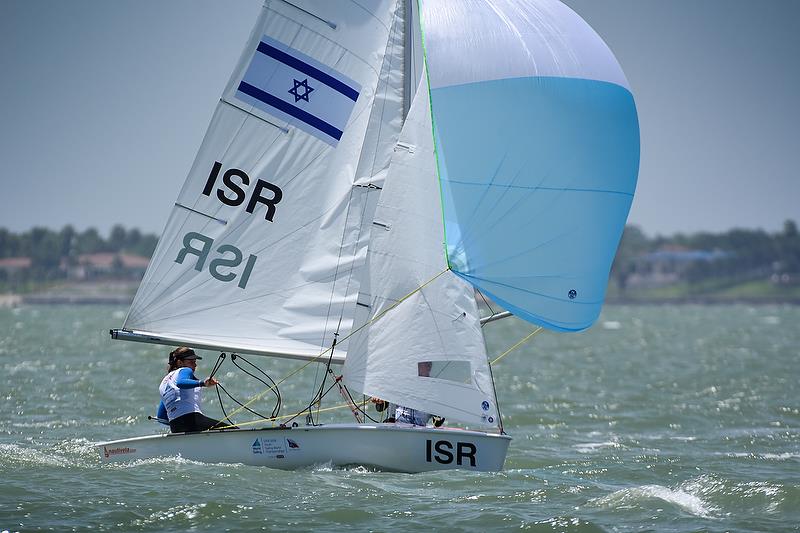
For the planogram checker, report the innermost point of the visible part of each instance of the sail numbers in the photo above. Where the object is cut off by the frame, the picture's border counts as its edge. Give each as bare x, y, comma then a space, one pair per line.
233, 179
442, 452
229, 257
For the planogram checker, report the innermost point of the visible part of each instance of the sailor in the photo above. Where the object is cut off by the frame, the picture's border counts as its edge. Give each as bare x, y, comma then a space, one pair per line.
180, 394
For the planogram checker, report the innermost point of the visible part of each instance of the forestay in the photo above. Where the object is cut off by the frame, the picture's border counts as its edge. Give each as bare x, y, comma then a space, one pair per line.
538, 151
263, 250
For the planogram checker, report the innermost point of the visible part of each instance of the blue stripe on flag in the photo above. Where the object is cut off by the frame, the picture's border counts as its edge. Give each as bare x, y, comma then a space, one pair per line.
289, 109
305, 68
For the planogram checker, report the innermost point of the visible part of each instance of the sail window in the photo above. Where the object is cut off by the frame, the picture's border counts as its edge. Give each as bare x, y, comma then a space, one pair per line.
457, 371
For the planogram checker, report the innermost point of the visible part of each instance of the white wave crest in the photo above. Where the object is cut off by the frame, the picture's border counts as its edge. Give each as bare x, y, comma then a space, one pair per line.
13, 456
590, 447
628, 498
769, 456
182, 513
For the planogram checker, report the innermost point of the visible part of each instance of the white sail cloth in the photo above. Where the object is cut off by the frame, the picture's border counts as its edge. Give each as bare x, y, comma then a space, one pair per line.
437, 324
264, 246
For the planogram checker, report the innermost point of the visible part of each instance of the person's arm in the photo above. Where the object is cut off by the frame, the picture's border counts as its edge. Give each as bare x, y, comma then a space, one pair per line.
187, 380
161, 415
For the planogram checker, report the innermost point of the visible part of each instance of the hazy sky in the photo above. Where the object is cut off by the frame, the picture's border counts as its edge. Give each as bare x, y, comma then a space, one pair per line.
103, 105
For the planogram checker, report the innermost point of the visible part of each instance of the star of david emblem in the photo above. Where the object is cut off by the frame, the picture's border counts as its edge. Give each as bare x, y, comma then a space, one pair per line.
304, 91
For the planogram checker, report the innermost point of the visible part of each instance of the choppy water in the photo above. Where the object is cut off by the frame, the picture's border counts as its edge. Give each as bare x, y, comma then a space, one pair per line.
657, 419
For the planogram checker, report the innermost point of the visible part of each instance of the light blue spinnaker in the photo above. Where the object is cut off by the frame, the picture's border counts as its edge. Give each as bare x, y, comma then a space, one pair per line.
538, 158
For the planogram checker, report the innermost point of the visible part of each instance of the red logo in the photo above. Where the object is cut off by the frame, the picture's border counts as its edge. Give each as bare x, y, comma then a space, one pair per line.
108, 452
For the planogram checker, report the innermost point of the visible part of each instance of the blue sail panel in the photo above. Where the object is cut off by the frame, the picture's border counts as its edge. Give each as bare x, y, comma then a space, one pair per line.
538, 175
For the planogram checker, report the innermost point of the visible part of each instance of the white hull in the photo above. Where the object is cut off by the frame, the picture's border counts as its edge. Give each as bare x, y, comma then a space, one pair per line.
390, 447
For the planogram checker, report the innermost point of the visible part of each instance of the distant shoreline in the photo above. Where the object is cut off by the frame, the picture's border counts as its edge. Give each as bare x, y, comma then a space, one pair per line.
700, 300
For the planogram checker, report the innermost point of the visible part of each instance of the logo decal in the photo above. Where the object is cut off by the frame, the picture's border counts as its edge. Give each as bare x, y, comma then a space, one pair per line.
572, 294
485, 405
270, 447
108, 452
292, 444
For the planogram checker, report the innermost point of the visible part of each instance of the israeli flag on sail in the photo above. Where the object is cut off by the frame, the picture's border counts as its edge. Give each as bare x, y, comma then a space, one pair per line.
298, 89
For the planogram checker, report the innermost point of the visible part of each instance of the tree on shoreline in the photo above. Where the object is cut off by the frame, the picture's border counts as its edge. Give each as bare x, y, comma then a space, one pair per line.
737, 254
52, 252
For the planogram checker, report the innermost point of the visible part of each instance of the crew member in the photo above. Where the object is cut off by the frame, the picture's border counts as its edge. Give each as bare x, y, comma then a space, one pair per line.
180, 394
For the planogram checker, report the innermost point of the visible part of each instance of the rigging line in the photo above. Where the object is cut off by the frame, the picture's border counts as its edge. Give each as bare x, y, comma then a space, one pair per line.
317, 399
330, 305
217, 365
346, 291
259, 395
374, 319
244, 407
278, 399
347, 398
398, 302
336, 270
311, 404
284, 417
382, 87
214, 370
222, 406
517, 345
353, 404
485, 301
496, 401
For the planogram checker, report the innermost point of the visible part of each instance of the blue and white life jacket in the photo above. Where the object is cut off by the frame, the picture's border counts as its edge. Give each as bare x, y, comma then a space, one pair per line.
177, 401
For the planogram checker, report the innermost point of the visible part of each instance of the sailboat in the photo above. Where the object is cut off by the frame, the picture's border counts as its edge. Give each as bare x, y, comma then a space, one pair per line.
369, 167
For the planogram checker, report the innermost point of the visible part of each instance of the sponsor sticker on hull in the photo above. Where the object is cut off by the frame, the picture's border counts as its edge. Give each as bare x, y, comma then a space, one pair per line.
269, 447
124, 450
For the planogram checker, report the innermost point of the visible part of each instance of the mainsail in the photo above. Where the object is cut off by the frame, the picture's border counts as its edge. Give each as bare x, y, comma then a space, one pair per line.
264, 248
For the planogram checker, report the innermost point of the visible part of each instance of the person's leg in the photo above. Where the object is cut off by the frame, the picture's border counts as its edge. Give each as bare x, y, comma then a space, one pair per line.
183, 423
195, 422
204, 422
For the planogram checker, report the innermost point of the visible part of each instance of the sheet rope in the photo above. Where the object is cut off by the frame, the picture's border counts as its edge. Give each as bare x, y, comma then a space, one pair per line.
325, 352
